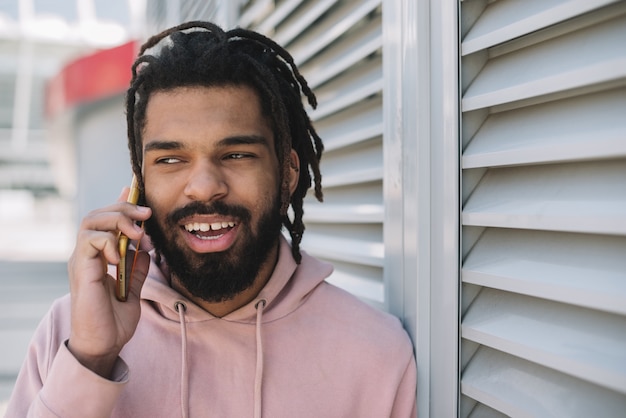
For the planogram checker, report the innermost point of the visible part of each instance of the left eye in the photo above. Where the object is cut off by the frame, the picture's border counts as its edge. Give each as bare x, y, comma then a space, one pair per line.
237, 156
169, 160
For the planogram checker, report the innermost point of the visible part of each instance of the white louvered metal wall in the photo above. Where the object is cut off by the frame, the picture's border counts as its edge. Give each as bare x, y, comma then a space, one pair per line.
337, 45
543, 329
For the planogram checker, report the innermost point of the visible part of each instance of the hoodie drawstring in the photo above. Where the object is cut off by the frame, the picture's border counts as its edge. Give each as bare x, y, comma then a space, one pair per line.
180, 307
258, 376
184, 380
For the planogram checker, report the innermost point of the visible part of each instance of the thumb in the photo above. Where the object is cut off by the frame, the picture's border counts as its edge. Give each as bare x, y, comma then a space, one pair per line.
139, 273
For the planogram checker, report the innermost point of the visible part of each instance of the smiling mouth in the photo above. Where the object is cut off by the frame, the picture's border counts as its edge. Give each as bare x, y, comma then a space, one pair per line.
209, 231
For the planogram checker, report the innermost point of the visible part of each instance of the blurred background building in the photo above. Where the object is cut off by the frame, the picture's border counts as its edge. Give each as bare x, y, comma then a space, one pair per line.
36, 39
474, 175
37, 221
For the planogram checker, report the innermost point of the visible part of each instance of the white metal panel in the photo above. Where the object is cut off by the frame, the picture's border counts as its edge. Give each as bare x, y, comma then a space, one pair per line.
338, 48
324, 33
578, 197
542, 331
577, 269
543, 275
421, 125
519, 388
588, 127
591, 55
503, 21
348, 51
301, 20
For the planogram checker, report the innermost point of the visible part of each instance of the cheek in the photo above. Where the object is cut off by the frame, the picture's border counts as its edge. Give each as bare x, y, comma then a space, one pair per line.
160, 191
158, 203
267, 191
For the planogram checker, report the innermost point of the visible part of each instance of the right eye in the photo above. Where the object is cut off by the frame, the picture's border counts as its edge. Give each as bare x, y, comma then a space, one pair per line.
168, 160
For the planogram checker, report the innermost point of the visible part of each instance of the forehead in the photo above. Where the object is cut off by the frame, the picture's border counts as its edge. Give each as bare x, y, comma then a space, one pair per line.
206, 114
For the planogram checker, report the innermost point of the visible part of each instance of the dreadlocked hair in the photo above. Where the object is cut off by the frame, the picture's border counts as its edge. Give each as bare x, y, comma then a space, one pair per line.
202, 54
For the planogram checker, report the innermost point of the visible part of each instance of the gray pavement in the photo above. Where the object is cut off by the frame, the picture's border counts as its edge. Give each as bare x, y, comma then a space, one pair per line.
27, 289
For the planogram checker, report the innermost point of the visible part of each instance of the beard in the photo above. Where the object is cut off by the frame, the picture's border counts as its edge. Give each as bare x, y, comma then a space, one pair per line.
217, 277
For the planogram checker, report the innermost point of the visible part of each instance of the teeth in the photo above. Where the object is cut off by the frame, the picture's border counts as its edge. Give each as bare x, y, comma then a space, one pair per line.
204, 227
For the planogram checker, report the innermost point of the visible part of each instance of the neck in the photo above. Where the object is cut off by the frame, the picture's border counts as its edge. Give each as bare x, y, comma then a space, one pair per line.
223, 308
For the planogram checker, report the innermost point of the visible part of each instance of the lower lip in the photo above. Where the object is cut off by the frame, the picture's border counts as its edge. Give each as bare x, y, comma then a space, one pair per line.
211, 245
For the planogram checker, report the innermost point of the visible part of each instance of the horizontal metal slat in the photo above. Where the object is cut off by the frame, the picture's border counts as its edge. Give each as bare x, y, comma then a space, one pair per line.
580, 128
344, 54
502, 21
519, 388
331, 29
360, 204
348, 89
363, 281
577, 197
302, 19
352, 250
586, 344
352, 165
357, 123
353, 177
359, 194
335, 213
589, 56
577, 269
278, 15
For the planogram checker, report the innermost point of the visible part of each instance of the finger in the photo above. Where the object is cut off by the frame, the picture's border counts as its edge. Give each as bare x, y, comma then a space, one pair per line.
93, 244
140, 267
119, 217
129, 209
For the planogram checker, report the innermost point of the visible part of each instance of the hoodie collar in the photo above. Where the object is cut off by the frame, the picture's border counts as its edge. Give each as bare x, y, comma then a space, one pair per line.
288, 287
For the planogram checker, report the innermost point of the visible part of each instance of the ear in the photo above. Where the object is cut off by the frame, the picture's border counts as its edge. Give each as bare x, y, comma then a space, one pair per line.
294, 171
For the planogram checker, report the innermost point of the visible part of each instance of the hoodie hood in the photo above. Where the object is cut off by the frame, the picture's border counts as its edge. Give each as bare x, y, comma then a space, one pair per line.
288, 287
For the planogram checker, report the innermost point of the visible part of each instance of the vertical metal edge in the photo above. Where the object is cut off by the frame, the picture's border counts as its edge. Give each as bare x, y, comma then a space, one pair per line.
407, 182
445, 221
392, 159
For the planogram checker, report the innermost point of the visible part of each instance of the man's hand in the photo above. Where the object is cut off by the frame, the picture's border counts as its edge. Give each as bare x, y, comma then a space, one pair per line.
102, 325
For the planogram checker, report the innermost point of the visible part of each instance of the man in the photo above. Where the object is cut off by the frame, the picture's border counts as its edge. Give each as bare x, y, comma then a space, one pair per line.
232, 319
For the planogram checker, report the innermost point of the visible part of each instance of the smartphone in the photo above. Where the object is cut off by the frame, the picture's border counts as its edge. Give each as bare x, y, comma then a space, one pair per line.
123, 275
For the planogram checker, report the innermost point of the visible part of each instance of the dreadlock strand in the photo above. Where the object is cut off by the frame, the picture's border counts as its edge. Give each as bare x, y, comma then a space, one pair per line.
286, 56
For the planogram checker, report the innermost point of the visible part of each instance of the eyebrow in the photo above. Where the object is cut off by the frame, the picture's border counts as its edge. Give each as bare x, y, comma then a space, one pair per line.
159, 145
163, 145
243, 140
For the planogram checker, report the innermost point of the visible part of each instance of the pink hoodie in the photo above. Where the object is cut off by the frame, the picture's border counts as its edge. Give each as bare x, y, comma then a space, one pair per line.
302, 348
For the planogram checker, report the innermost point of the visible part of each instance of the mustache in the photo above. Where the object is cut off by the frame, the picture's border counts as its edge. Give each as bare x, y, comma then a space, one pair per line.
215, 208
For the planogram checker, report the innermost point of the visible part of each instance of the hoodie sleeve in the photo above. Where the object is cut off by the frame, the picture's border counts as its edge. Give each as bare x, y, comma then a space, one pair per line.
405, 403
52, 383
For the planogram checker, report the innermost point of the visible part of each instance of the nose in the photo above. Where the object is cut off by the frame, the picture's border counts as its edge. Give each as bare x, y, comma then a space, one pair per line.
206, 183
